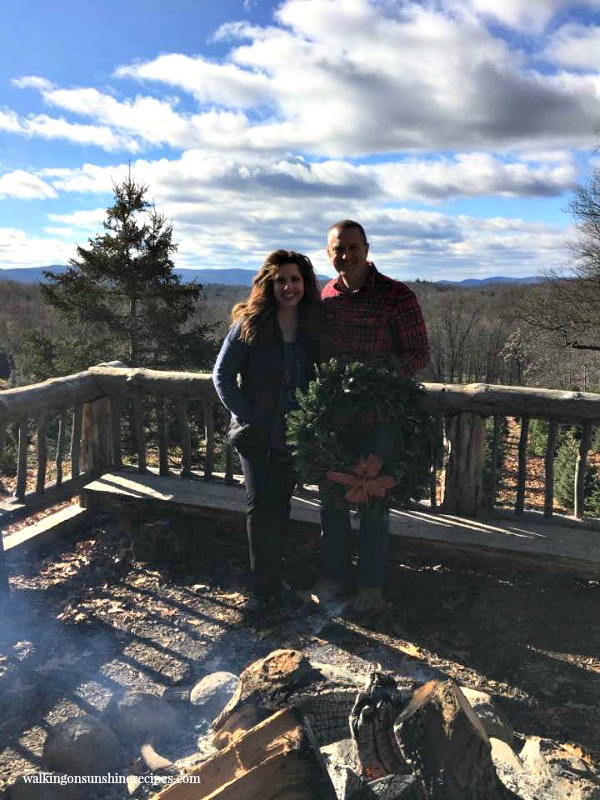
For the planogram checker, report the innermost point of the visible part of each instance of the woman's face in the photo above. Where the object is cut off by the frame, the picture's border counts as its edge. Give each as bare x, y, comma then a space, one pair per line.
288, 286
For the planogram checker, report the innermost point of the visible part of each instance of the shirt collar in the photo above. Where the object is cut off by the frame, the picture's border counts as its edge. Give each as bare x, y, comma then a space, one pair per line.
369, 281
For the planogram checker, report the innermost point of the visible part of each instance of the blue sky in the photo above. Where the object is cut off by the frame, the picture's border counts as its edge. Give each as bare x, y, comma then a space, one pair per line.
454, 130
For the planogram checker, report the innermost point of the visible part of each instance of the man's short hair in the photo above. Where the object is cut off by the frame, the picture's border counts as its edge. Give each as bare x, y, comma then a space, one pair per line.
346, 224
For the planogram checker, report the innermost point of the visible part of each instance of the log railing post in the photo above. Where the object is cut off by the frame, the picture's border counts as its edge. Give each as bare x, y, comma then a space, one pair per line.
96, 435
522, 470
76, 441
462, 478
209, 428
549, 469
582, 454
186, 438
21, 487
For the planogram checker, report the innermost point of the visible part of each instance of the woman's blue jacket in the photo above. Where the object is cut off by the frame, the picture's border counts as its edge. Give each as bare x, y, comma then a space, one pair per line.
256, 397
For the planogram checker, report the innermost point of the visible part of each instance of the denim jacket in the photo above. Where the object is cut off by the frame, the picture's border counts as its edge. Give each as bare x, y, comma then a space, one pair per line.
256, 399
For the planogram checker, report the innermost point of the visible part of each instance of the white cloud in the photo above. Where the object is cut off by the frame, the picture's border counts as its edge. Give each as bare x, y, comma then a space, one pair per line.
24, 186
9, 121
576, 46
528, 16
219, 84
340, 79
17, 249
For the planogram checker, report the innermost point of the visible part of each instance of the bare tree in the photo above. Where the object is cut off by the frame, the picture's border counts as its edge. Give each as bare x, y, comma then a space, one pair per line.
568, 305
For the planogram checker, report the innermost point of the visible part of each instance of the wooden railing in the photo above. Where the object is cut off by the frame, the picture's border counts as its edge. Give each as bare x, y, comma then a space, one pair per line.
83, 418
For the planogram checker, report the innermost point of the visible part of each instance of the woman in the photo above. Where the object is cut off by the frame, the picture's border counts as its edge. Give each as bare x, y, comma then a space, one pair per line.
271, 348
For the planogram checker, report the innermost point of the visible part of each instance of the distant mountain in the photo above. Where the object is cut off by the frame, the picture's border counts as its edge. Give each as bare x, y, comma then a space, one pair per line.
228, 277
487, 281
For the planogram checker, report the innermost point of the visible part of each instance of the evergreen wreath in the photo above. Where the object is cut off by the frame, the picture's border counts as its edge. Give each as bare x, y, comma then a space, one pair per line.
339, 406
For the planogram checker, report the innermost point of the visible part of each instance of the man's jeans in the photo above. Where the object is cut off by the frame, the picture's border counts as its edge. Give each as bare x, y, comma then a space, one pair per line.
374, 526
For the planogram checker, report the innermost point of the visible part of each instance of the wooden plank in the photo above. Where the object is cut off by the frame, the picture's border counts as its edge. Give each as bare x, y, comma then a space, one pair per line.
62, 522
275, 759
19, 508
564, 542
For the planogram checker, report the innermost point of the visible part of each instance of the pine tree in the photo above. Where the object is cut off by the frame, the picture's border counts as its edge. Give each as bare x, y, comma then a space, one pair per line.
122, 290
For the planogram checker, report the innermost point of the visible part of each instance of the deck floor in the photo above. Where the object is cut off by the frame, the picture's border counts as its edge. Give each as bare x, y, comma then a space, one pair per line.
563, 542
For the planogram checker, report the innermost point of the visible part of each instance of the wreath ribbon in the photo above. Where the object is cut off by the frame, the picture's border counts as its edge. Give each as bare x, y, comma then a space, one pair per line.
364, 482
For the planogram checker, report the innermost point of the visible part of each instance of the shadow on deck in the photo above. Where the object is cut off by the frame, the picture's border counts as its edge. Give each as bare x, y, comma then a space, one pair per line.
529, 540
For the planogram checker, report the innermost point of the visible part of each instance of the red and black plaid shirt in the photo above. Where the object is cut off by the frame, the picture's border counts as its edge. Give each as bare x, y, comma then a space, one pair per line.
381, 320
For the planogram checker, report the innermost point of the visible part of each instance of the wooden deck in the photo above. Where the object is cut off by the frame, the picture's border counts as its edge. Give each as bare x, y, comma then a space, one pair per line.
563, 543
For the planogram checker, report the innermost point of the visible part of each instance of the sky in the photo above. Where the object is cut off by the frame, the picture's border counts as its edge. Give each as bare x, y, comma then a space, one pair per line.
454, 130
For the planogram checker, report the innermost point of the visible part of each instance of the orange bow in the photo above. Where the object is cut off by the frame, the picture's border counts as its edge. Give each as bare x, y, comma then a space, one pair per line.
366, 482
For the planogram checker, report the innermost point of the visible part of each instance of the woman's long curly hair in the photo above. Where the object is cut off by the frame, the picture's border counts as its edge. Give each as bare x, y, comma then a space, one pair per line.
258, 314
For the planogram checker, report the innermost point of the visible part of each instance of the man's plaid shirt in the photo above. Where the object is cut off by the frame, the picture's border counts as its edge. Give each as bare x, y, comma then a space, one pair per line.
381, 320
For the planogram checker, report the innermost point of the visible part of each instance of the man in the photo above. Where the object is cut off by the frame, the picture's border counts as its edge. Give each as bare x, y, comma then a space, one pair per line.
373, 319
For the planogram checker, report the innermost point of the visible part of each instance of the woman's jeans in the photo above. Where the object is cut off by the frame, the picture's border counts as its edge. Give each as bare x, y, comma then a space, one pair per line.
374, 526
270, 480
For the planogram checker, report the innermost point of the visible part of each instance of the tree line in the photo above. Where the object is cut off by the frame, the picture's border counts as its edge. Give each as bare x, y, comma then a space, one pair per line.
120, 299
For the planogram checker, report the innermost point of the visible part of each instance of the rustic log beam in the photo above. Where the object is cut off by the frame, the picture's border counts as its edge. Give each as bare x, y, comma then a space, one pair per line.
186, 438
549, 469
21, 486
55, 393
42, 452
76, 440
580, 466
462, 480
522, 469
512, 401
167, 383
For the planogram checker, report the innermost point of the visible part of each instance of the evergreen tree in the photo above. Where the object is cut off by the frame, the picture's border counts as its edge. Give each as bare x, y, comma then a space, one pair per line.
121, 292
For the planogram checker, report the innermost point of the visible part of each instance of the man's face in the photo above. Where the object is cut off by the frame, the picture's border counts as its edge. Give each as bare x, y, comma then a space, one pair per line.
348, 251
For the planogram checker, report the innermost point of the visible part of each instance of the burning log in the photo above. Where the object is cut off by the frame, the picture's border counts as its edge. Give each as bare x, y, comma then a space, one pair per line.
277, 758
285, 678
372, 727
446, 746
